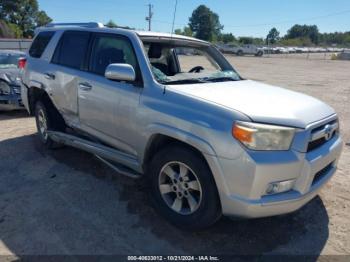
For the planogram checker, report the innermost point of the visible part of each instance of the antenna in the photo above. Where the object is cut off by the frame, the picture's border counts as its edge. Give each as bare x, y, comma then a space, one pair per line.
172, 27
150, 16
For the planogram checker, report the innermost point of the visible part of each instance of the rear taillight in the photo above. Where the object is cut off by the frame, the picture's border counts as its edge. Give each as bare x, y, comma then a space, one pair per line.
22, 63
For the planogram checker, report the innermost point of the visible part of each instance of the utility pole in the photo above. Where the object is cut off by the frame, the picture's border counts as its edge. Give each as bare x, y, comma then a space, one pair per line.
149, 17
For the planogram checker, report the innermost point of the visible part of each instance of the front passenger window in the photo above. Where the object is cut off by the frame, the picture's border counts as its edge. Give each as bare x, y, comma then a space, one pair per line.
109, 50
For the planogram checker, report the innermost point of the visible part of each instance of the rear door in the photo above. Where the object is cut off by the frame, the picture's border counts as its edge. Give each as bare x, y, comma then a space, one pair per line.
65, 70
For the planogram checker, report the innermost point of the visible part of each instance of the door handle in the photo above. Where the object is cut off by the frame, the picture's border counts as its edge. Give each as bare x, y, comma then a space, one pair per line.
85, 86
50, 76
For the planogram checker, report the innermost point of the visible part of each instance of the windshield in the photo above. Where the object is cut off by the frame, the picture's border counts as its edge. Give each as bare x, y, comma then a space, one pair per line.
9, 60
179, 64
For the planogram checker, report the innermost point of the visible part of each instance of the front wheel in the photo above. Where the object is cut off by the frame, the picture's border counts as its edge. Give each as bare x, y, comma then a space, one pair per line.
183, 189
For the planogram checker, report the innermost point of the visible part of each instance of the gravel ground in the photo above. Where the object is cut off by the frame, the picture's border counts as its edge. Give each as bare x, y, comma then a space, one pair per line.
67, 202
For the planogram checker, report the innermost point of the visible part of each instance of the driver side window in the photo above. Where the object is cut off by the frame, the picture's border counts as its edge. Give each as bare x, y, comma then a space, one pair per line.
109, 50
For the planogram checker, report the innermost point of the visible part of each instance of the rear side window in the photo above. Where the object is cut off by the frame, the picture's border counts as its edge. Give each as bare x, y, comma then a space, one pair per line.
71, 49
39, 44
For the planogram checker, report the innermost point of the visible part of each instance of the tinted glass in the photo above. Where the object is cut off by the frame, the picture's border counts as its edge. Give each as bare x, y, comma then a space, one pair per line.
109, 50
72, 49
39, 44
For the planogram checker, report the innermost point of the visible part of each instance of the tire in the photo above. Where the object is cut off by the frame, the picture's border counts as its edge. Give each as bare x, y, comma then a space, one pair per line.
260, 54
47, 119
240, 53
200, 207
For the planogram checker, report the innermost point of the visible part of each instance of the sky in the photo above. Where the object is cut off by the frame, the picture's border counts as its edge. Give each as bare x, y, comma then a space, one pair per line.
240, 17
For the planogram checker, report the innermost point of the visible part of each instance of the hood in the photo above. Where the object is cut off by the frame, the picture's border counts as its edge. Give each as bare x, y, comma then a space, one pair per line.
10, 74
261, 102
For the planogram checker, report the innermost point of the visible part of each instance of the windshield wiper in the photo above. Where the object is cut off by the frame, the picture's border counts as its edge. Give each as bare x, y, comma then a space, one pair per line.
185, 81
221, 79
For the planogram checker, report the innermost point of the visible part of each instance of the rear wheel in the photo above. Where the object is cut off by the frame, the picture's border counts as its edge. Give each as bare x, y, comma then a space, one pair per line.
47, 119
240, 53
183, 189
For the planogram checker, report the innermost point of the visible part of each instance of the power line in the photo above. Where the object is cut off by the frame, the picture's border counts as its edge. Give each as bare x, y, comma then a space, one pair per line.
271, 23
292, 21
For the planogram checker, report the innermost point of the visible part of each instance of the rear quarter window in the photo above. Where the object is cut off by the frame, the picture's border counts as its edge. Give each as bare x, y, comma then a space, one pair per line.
40, 43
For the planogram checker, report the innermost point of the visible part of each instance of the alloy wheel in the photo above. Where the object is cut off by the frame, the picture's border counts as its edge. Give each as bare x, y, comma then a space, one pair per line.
180, 188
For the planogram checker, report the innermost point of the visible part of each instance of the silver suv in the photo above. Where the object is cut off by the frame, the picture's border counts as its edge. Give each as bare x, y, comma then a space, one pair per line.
173, 109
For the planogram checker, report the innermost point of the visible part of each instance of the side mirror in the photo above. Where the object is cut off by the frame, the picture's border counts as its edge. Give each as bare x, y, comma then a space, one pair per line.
121, 72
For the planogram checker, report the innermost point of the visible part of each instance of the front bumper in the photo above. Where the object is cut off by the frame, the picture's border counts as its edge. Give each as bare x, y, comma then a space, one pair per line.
242, 182
13, 101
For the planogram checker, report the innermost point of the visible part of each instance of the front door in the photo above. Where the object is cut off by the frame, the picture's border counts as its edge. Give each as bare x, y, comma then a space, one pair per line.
106, 107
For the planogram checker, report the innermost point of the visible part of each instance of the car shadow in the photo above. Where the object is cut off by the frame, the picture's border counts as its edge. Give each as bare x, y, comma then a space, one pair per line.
5, 115
65, 201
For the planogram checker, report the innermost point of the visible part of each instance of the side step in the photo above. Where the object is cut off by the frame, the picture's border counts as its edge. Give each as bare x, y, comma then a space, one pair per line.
127, 164
120, 169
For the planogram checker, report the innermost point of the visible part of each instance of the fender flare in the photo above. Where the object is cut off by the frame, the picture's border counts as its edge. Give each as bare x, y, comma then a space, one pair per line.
33, 84
37, 84
181, 135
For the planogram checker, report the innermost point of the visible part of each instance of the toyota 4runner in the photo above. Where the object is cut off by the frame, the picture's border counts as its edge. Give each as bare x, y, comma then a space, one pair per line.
173, 109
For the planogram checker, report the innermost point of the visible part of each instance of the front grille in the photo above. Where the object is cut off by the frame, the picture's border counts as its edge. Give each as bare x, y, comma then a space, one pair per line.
317, 143
320, 174
312, 145
17, 89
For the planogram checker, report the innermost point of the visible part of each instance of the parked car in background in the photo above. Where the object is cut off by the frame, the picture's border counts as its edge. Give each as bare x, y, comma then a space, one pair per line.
241, 50
345, 55
282, 50
291, 50
300, 50
10, 82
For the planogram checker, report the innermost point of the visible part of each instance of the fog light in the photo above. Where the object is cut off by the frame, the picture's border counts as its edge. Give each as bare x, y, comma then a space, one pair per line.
279, 187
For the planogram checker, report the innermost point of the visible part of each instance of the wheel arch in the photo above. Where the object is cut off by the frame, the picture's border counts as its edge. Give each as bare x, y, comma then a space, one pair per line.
36, 93
165, 135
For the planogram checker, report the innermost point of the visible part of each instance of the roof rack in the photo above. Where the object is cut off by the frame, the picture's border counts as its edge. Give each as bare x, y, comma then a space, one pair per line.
87, 25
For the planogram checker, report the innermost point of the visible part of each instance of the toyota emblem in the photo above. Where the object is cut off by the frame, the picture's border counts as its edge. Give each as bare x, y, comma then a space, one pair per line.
328, 131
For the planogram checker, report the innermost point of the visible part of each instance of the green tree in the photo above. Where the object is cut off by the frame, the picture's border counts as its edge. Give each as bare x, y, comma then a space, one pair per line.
16, 31
227, 38
178, 31
23, 13
247, 40
5, 30
111, 24
205, 24
301, 31
336, 38
299, 41
42, 18
273, 36
186, 31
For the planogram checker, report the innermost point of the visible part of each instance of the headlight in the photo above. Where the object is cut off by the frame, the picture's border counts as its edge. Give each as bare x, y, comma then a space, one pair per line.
4, 88
263, 137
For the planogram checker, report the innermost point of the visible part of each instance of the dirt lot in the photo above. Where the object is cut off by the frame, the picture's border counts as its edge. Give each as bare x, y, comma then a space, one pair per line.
67, 202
